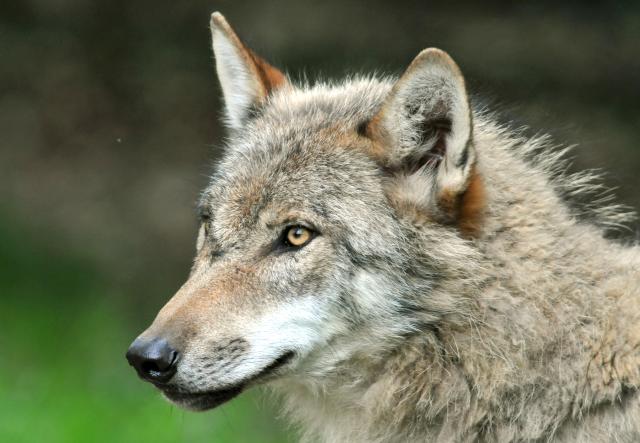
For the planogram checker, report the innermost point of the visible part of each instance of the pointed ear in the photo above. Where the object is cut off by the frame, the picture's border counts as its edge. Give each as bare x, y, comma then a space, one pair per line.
246, 79
424, 130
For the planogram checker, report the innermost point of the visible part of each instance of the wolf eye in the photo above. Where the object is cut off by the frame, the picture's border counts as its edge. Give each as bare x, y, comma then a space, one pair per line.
297, 236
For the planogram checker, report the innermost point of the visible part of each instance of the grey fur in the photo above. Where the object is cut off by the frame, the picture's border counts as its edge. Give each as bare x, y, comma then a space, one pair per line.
527, 330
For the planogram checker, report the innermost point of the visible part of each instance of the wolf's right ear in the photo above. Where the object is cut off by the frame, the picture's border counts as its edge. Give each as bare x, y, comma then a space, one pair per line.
245, 78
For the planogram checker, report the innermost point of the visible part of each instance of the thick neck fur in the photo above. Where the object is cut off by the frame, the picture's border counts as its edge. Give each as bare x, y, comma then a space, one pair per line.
541, 339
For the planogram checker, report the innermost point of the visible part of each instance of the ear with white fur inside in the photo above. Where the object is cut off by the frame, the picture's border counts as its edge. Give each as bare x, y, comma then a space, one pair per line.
245, 78
425, 126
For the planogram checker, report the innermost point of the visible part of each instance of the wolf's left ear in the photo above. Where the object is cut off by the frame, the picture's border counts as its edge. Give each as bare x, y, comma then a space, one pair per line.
246, 79
424, 132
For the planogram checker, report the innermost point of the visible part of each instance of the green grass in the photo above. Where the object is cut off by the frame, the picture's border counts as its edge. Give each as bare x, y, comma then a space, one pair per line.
63, 376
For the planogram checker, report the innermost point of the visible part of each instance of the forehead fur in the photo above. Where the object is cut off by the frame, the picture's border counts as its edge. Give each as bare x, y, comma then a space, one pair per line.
348, 102
302, 142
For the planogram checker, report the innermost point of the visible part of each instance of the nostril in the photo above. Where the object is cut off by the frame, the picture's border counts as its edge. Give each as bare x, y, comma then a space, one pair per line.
162, 364
149, 367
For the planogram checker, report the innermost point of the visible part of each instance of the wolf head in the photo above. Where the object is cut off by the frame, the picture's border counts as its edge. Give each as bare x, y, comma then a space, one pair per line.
337, 212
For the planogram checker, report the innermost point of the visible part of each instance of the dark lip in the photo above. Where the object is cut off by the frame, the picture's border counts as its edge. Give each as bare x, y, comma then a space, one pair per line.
202, 401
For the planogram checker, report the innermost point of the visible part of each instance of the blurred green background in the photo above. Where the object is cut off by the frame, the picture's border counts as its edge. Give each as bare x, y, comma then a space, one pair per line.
108, 127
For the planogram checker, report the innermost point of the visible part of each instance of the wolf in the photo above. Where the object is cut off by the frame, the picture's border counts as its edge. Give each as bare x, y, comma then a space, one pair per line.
399, 267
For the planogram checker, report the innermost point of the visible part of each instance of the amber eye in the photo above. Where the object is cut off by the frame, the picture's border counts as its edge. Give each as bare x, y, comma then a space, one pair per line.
298, 236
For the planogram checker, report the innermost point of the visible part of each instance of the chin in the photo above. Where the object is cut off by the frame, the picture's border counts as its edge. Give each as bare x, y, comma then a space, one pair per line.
201, 401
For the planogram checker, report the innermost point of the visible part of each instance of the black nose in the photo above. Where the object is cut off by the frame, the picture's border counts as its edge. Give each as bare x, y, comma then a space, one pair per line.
154, 360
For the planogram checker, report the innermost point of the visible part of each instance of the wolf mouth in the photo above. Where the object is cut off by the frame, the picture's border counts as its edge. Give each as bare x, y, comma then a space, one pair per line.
201, 401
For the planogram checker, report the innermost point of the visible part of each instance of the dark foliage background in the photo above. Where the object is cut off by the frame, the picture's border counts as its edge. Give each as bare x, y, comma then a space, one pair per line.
108, 126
